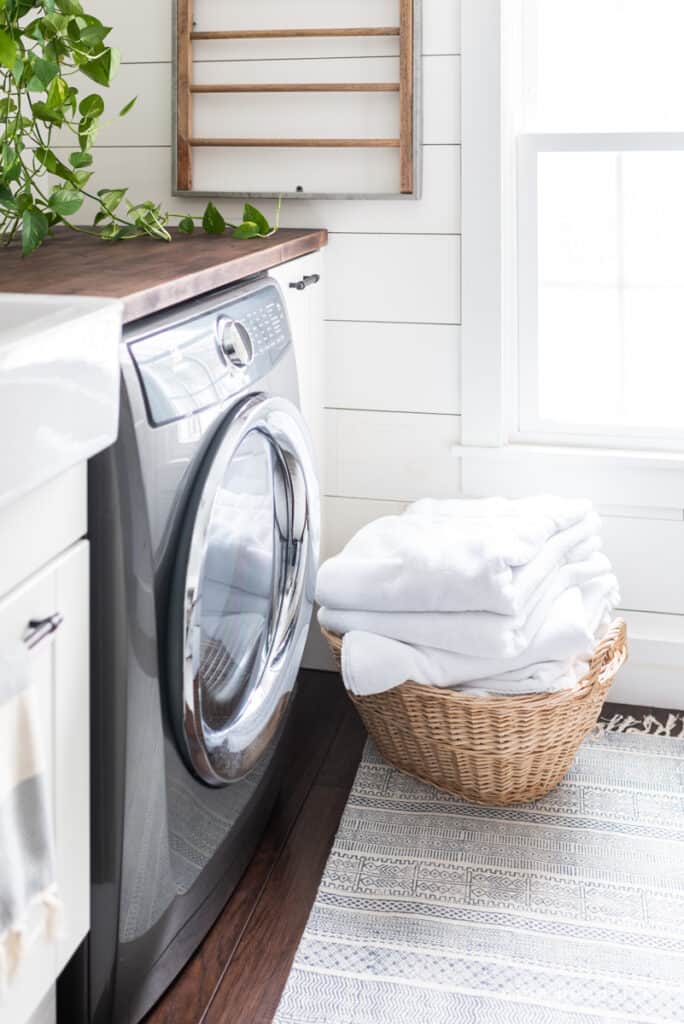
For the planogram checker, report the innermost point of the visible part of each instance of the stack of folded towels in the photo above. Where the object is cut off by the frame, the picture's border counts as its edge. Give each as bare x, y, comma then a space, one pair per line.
489, 596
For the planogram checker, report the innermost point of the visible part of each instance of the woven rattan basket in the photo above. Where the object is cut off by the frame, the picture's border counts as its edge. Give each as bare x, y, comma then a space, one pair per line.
490, 750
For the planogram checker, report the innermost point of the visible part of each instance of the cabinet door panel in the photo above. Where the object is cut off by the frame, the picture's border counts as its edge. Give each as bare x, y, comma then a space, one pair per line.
34, 599
305, 309
60, 683
72, 748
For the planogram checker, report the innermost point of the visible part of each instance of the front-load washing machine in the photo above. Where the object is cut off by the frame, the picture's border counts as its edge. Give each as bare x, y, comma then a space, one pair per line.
204, 523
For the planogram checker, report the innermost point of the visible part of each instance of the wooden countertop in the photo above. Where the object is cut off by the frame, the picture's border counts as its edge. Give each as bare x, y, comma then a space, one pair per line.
148, 275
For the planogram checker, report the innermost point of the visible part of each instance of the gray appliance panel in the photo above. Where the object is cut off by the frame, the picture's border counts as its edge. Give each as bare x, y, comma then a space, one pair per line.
169, 452
181, 362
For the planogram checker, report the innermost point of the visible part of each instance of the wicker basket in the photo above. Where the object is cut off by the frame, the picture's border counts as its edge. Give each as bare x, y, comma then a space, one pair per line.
490, 750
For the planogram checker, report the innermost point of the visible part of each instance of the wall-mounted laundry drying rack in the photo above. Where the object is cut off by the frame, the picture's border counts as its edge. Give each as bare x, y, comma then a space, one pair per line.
404, 176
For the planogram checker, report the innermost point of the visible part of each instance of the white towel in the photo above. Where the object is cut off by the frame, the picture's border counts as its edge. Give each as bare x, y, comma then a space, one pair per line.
433, 560
373, 664
477, 633
29, 904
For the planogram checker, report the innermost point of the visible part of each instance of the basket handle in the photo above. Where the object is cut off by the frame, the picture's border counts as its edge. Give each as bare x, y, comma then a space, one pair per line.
611, 652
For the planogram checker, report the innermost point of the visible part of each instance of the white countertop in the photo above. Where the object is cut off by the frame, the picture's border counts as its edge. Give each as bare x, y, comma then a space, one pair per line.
59, 385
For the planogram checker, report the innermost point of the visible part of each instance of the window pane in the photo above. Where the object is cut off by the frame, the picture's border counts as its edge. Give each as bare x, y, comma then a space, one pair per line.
611, 288
603, 65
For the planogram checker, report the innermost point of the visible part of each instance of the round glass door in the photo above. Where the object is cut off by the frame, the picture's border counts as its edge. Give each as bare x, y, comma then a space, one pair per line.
246, 546
245, 582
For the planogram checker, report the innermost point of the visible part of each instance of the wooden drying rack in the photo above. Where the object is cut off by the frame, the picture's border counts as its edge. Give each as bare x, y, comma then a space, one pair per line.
186, 88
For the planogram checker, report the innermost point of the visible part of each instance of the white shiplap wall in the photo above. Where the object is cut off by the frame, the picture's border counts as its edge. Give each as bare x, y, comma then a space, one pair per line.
392, 266
392, 344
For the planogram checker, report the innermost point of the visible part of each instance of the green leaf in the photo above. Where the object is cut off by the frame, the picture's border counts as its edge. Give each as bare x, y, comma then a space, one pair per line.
88, 32
87, 130
10, 166
103, 68
117, 232
81, 178
129, 106
69, 6
80, 159
186, 225
58, 93
34, 228
58, 50
53, 165
65, 201
7, 200
248, 229
44, 70
149, 218
212, 221
8, 50
18, 70
42, 112
91, 106
111, 198
253, 216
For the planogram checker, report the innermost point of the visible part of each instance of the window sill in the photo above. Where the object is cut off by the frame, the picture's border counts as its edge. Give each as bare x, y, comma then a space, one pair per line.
608, 476
647, 458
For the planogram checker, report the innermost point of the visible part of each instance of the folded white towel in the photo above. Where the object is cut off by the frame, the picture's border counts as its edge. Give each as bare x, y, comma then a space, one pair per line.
447, 558
545, 677
373, 664
477, 633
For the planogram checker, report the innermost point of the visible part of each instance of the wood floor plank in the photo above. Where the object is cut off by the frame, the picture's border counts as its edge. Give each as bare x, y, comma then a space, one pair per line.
317, 716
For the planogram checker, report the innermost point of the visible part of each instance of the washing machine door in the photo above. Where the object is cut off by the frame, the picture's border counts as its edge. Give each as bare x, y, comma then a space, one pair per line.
244, 589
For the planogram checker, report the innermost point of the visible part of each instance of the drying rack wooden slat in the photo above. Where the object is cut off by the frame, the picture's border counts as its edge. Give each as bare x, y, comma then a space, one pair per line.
300, 143
299, 87
406, 96
297, 33
187, 88
184, 99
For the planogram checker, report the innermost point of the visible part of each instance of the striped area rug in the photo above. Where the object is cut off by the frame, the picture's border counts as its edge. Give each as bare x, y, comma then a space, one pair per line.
566, 911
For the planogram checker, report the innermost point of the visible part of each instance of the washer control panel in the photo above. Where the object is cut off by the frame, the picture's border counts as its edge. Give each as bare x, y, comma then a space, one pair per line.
267, 326
203, 352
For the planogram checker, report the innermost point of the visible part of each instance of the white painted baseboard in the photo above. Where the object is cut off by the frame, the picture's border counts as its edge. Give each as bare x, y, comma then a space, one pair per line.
654, 673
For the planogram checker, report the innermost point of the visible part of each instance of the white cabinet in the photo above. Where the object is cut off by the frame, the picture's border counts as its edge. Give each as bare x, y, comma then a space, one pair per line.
59, 669
302, 282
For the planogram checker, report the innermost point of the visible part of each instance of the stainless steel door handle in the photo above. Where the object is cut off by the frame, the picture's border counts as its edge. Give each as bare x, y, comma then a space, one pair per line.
305, 282
38, 629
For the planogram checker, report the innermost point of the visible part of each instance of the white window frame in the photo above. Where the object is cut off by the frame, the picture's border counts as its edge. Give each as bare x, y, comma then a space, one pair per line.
529, 425
490, 176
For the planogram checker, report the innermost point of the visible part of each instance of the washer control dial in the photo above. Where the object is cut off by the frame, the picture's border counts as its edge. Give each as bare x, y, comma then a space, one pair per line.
234, 342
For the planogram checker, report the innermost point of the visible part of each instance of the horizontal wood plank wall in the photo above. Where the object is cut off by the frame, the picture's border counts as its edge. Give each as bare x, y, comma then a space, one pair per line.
392, 386
392, 266
393, 274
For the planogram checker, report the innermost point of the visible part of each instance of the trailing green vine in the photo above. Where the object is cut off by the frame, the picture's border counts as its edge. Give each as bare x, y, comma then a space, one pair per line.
44, 44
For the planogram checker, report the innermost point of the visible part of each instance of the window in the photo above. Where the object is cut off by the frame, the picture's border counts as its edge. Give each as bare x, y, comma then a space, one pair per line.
596, 134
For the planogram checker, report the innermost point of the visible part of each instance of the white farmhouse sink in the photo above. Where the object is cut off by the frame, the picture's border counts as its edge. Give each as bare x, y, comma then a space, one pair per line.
59, 385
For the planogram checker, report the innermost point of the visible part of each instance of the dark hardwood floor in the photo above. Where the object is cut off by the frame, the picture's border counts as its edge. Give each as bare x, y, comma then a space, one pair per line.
238, 973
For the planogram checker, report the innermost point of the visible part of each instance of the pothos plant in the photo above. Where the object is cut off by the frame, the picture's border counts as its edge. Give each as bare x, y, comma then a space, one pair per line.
46, 47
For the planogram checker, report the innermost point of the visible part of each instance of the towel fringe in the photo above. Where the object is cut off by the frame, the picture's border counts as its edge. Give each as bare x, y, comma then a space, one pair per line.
16, 941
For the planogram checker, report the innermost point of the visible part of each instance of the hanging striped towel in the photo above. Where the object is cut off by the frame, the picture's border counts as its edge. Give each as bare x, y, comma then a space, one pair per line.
29, 903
